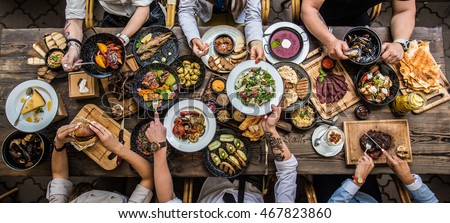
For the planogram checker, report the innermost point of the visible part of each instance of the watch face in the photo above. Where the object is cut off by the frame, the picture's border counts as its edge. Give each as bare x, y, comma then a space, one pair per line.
360, 180
154, 146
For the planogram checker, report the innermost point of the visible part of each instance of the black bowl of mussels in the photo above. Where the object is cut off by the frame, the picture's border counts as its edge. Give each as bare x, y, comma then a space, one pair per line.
364, 45
23, 151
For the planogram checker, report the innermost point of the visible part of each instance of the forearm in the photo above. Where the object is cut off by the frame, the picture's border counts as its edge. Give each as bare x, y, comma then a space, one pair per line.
141, 165
60, 164
138, 19
280, 151
74, 29
186, 17
403, 19
316, 25
163, 178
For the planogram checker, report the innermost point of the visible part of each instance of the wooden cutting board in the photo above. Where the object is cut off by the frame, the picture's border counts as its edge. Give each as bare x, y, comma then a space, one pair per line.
397, 128
130, 106
330, 110
98, 152
434, 98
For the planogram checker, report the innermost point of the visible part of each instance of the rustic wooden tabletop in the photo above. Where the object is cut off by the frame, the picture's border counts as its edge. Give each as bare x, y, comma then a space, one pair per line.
429, 131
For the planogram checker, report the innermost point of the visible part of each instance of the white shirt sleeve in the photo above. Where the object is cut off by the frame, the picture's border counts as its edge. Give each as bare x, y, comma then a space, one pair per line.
141, 2
253, 22
75, 9
58, 190
286, 186
141, 195
186, 17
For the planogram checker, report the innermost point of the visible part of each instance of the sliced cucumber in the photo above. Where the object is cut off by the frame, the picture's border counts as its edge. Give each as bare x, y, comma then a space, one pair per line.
226, 138
214, 145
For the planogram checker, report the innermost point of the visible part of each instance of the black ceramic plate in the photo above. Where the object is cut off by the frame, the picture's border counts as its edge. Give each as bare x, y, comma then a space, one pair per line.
385, 70
301, 73
163, 51
139, 76
317, 119
376, 41
209, 164
90, 49
138, 130
178, 63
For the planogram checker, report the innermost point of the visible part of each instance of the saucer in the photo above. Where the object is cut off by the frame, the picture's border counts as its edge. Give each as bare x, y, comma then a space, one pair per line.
327, 151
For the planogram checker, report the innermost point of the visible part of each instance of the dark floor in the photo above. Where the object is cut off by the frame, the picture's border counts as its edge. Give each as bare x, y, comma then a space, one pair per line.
50, 13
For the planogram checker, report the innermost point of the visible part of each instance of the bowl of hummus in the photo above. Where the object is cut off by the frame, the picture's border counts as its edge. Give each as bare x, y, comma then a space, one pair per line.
53, 59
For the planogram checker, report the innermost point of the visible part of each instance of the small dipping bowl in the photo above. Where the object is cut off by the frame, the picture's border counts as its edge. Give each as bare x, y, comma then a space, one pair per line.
362, 112
223, 48
53, 59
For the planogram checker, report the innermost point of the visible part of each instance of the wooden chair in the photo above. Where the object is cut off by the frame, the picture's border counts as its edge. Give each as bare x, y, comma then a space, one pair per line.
169, 4
374, 12
188, 188
9, 193
401, 189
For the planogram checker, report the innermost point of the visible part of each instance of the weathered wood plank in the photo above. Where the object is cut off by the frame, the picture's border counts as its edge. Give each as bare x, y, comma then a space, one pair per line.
430, 131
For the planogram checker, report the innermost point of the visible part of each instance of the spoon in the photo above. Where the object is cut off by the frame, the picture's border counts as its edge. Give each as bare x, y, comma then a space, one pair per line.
29, 93
317, 140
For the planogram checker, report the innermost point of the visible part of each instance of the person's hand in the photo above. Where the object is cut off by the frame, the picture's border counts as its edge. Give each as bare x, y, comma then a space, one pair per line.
363, 167
156, 132
62, 135
70, 58
257, 51
392, 53
336, 49
109, 141
270, 122
400, 168
199, 48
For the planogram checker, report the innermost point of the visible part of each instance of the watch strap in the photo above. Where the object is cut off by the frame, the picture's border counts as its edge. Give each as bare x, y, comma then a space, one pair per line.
162, 144
124, 37
403, 42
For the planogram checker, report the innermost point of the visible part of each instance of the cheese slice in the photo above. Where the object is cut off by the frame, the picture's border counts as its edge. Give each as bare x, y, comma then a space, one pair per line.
36, 101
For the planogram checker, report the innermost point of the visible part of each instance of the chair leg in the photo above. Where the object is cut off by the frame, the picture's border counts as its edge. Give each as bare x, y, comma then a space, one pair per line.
265, 11
309, 190
405, 197
296, 11
5, 195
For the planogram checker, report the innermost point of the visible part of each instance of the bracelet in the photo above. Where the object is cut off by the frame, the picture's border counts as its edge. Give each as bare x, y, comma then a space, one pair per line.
74, 40
58, 149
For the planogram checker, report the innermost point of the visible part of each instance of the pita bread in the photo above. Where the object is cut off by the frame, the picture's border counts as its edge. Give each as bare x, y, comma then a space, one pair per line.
418, 68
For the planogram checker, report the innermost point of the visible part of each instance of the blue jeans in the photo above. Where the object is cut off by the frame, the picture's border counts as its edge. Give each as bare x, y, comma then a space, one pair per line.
156, 17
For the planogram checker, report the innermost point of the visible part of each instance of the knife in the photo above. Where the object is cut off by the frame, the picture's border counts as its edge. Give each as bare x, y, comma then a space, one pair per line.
379, 147
113, 155
122, 124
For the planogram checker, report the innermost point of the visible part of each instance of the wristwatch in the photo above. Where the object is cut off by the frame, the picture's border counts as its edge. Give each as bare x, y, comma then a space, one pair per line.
155, 146
358, 180
404, 43
124, 37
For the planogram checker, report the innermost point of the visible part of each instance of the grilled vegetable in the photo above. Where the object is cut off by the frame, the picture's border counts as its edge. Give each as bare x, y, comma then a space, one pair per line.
241, 155
226, 138
238, 143
230, 148
234, 161
215, 159
223, 154
241, 161
214, 145
227, 168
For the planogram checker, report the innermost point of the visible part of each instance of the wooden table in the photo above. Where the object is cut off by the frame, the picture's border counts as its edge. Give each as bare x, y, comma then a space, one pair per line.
430, 131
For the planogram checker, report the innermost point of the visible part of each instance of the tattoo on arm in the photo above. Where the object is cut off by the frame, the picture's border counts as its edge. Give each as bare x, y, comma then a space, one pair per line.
276, 145
66, 27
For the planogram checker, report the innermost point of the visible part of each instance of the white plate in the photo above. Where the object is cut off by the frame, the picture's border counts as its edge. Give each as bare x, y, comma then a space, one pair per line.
14, 104
327, 151
305, 48
211, 34
254, 110
210, 122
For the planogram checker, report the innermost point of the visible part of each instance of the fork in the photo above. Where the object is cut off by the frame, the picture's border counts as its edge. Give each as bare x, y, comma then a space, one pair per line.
155, 105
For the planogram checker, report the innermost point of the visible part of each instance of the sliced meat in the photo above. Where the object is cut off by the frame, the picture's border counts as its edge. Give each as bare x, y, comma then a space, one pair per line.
164, 76
149, 80
319, 91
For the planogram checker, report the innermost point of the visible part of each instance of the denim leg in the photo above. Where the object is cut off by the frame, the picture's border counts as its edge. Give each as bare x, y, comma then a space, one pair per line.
156, 17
